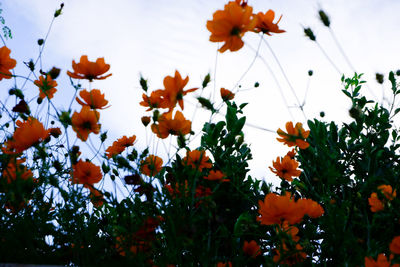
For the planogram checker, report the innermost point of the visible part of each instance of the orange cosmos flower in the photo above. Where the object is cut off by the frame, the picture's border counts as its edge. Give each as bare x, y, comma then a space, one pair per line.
155, 100
289, 256
85, 122
89, 70
86, 173
96, 197
197, 159
275, 209
28, 133
251, 248
46, 86
295, 135
291, 153
152, 165
226, 94
16, 170
94, 99
311, 208
216, 176
290, 230
55, 132
286, 169
381, 261
229, 25
375, 203
119, 146
265, 23
387, 191
6, 63
395, 245
224, 264
166, 125
173, 92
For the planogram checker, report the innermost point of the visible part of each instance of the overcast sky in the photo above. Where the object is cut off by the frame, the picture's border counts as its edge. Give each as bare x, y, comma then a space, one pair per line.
157, 37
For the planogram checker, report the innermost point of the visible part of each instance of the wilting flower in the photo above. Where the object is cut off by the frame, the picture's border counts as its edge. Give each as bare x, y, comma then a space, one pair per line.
89, 70
395, 245
93, 98
295, 135
381, 261
6, 63
85, 122
86, 173
16, 170
27, 134
229, 25
173, 92
46, 86
96, 197
151, 166
265, 23
251, 248
197, 159
286, 169
166, 125
226, 94
119, 146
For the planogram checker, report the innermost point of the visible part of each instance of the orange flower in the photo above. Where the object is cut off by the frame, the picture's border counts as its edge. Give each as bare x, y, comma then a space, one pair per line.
119, 146
265, 23
286, 169
85, 122
96, 197
311, 208
86, 173
226, 94
387, 191
89, 70
291, 153
290, 230
290, 256
375, 203
55, 132
166, 125
173, 92
216, 176
275, 209
28, 133
6, 63
197, 159
381, 261
224, 264
229, 25
155, 100
295, 135
152, 165
94, 99
46, 86
395, 245
15, 170
251, 248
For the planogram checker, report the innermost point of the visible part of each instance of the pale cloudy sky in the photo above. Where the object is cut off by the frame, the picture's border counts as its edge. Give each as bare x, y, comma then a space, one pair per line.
157, 37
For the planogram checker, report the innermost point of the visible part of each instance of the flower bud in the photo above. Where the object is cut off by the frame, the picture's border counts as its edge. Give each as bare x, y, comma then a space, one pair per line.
145, 120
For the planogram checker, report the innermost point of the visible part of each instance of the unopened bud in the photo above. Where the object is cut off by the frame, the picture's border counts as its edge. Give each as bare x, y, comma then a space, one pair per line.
379, 78
324, 18
145, 120
54, 73
309, 33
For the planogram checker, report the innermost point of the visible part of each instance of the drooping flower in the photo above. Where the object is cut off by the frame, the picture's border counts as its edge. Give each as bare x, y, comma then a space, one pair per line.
265, 23
6, 63
173, 92
381, 261
229, 25
166, 125
197, 159
395, 245
295, 136
119, 146
89, 70
226, 94
27, 134
16, 170
86, 173
46, 86
286, 169
251, 248
85, 122
375, 203
151, 166
93, 99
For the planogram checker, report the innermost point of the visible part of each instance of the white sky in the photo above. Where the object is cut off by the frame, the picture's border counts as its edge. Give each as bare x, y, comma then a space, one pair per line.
157, 37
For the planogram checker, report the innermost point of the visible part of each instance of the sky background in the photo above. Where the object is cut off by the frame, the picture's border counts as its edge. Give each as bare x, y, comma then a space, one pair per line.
157, 37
